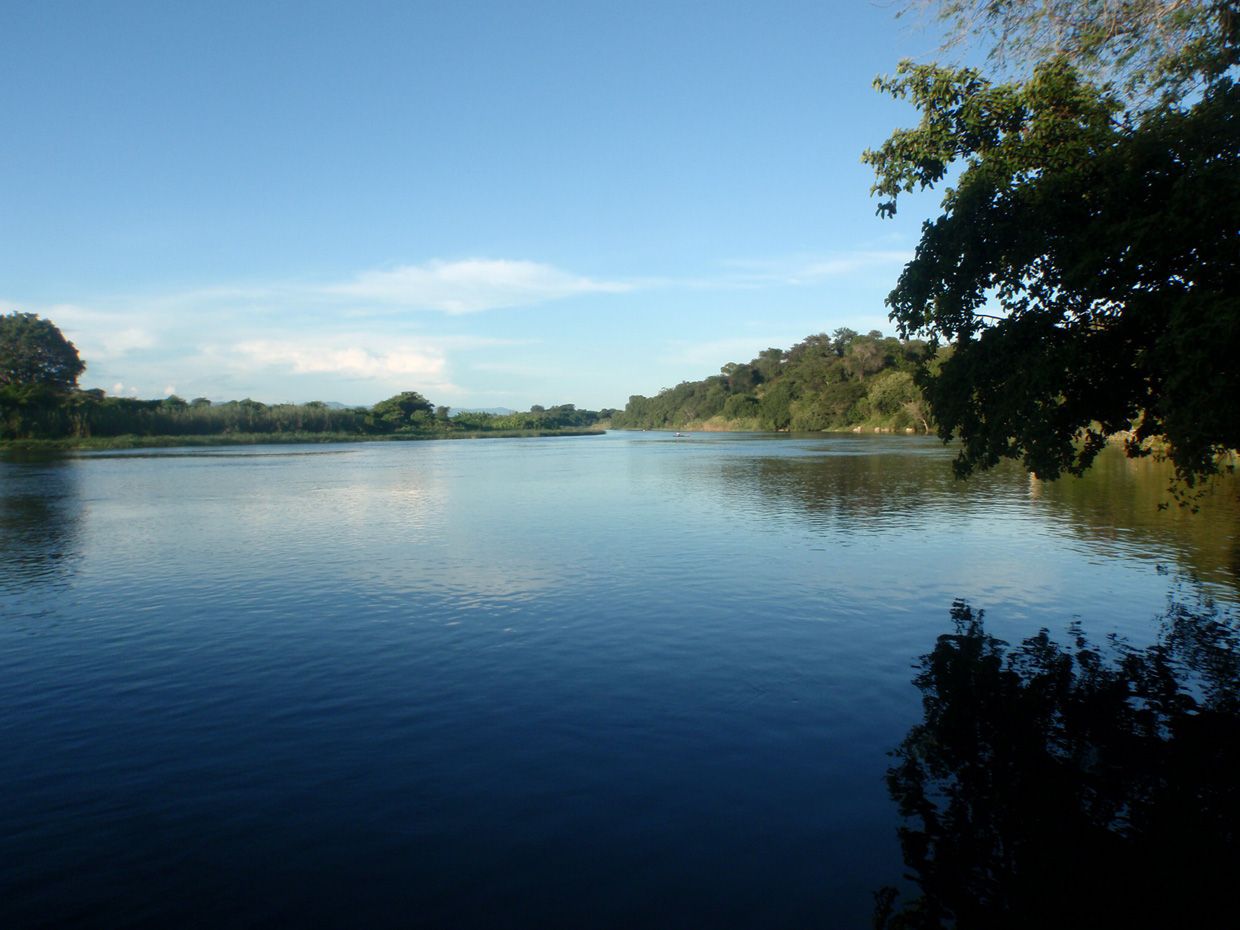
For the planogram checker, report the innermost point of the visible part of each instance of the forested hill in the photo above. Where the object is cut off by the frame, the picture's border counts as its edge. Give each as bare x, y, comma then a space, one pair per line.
823, 382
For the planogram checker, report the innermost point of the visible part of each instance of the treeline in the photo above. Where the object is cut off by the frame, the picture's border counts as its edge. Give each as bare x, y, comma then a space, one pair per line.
563, 416
39, 412
822, 383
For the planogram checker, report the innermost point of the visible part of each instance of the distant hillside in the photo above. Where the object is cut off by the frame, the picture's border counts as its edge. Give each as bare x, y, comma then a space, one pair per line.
824, 382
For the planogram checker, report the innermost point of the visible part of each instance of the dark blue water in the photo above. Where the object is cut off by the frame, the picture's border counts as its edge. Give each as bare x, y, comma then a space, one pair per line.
614, 682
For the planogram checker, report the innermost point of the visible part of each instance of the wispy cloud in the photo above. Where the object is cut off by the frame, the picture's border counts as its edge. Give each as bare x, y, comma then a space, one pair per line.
411, 325
99, 333
809, 269
307, 328
314, 357
465, 286
470, 286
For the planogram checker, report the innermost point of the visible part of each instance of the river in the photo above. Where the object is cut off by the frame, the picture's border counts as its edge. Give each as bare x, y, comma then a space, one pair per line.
630, 680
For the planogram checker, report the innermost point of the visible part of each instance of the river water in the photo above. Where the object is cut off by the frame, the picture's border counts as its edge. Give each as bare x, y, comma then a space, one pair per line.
615, 681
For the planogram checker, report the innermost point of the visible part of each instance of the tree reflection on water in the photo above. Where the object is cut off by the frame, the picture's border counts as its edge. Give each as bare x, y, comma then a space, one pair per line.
1055, 785
40, 523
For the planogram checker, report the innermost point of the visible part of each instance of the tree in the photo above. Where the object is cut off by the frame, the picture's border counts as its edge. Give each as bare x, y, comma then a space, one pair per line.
407, 410
34, 353
842, 338
768, 363
1086, 263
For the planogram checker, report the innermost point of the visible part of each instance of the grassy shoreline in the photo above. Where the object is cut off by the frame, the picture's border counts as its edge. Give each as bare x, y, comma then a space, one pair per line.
100, 443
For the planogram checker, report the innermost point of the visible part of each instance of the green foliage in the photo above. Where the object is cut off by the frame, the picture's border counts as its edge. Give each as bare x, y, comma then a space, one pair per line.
689, 401
822, 383
741, 407
406, 412
123, 416
38, 413
775, 407
1085, 267
834, 405
34, 352
559, 417
39, 370
893, 396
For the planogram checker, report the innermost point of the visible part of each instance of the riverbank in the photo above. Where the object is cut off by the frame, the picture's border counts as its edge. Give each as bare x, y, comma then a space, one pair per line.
103, 443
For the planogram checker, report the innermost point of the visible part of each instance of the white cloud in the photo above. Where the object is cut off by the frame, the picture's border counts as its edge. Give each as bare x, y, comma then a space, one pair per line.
351, 361
840, 265
281, 326
102, 334
471, 285
814, 269
352, 337
122, 342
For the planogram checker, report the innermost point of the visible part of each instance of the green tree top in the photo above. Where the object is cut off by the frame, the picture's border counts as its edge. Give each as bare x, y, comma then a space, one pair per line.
1085, 264
33, 352
406, 410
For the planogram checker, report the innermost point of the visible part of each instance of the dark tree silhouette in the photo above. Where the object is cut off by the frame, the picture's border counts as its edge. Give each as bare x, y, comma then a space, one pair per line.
1059, 785
34, 353
1085, 265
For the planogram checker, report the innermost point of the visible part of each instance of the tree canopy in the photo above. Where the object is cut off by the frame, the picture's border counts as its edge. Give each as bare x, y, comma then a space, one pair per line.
407, 410
34, 353
1086, 263
41, 414
823, 382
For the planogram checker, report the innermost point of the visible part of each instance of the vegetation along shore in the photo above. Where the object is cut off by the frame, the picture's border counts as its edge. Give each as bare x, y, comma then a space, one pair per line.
42, 409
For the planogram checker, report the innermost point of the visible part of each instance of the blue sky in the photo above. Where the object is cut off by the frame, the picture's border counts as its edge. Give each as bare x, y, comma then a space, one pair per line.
496, 204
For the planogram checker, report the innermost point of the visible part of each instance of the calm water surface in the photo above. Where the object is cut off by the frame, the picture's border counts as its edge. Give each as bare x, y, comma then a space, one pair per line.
618, 681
